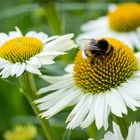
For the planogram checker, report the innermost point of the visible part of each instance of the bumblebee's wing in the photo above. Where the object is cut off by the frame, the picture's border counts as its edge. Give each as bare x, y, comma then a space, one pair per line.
87, 44
84, 44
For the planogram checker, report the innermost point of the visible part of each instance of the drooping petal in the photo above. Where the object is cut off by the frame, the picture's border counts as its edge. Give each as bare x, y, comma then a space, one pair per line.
57, 85
64, 102
62, 43
32, 69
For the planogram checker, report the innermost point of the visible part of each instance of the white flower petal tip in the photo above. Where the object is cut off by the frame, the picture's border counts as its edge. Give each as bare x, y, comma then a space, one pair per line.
112, 7
67, 36
40, 115
69, 68
18, 30
56, 45
138, 55
71, 35
35, 102
133, 132
40, 91
62, 43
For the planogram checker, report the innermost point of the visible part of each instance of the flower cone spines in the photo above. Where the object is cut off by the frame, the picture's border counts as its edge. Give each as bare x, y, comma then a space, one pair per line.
107, 72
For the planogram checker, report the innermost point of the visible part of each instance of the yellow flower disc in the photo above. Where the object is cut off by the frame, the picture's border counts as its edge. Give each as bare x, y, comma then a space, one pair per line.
20, 49
106, 72
27, 132
125, 18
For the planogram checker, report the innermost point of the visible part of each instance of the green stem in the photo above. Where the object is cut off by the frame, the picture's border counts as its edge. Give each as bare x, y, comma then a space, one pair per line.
29, 89
123, 124
53, 18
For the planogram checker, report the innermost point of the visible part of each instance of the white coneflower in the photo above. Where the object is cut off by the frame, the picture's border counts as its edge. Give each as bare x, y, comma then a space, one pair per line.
105, 78
122, 22
133, 133
19, 53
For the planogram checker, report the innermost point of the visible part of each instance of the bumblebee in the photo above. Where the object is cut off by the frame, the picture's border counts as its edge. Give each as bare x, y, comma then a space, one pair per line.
96, 49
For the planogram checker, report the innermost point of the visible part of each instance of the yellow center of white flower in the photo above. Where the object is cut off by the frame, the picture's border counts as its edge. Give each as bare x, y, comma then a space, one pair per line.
20, 49
28, 132
97, 74
125, 18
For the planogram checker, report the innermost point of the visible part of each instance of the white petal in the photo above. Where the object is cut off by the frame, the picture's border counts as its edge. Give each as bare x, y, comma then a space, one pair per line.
4, 63
3, 38
138, 55
129, 99
42, 36
52, 38
64, 102
106, 114
63, 43
91, 115
131, 88
99, 113
117, 132
14, 34
112, 7
15, 68
57, 85
21, 70
18, 31
109, 136
116, 103
69, 68
137, 73
49, 53
114, 136
45, 61
6, 72
135, 40
134, 83
31, 33
33, 61
52, 102
32, 69
76, 108
81, 113
54, 79
50, 96
133, 132
94, 24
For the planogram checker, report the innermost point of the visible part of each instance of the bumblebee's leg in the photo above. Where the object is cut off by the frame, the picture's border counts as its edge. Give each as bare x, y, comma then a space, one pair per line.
101, 57
93, 59
102, 60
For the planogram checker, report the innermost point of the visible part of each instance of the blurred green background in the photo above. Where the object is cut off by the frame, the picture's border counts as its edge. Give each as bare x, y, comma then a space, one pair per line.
51, 17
